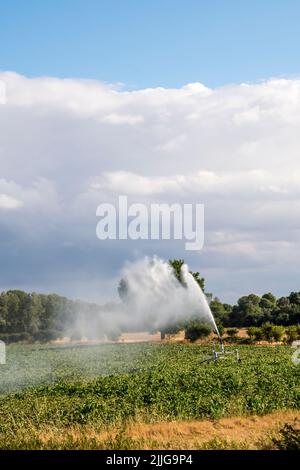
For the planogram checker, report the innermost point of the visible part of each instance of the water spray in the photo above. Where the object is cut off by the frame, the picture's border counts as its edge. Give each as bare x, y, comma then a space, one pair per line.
219, 353
151, 298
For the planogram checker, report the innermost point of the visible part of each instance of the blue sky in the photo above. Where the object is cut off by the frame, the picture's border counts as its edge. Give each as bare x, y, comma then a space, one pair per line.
151, 43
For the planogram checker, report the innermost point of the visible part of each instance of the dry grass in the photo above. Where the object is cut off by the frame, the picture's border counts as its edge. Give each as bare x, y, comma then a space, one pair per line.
189, 435
253, 432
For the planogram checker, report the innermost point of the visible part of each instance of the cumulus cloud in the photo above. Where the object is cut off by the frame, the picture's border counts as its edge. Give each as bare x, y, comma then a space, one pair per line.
130, 119
8, 202
247, 184
67, 145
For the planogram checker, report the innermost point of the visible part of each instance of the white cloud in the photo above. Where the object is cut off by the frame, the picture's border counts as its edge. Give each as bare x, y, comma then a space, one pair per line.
123, 119
2, 93
259, 184
66, 145
8, 202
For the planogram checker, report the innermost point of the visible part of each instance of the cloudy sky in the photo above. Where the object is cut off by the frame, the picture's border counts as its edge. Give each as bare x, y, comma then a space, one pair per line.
68, 144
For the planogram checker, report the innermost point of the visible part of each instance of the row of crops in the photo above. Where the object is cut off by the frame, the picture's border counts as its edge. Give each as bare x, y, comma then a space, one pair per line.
111, 383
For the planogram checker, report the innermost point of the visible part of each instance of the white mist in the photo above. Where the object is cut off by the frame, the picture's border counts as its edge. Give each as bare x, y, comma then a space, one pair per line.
155, 298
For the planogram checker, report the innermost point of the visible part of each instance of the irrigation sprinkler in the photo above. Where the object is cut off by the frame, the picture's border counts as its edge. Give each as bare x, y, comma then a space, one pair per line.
221, 354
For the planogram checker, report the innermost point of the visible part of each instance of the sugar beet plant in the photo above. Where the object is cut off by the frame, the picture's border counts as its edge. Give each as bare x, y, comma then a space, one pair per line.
111, 384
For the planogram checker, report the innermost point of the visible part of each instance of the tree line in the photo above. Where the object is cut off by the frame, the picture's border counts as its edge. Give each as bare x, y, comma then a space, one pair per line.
255, 310
40, 317
250, 310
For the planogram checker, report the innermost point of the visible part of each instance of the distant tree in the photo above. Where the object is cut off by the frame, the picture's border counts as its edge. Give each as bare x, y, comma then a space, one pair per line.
294, 298
171, 329
113, 334
251, 299
267, 329
200, 280
292, 334
177, 265
14, 315
123, 289
221, 328
278, 332
255, 333
3, 312
232, 332
283, 302
196, 329
33, 313
247, 312
221, 312
268, 300
32, 316
294, 315
281, 315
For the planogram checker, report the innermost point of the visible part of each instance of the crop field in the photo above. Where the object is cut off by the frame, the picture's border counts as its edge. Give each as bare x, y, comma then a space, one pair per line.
46, 391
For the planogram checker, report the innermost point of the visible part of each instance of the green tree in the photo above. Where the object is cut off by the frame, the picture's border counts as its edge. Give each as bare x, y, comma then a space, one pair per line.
3, 312
278, 332
255, 333
123, 290
232, 332
34, 312
177, 265
221, 312
294, 298
267, 329
196, 329
200, 280
247, 312
292, 334
221, 328
171, 329
268, 300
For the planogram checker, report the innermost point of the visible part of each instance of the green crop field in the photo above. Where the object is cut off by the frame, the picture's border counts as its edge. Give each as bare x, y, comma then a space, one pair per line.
107, 385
